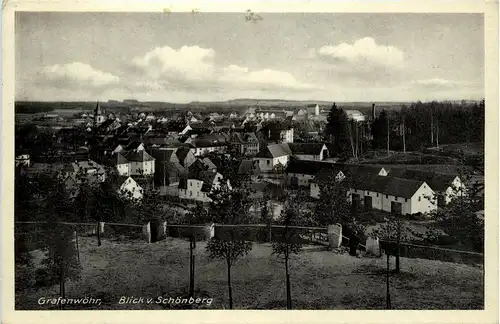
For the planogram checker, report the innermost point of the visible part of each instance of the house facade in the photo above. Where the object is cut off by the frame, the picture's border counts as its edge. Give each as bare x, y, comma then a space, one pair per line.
394, 195
245, 143
141, 163
272, 156
198, 186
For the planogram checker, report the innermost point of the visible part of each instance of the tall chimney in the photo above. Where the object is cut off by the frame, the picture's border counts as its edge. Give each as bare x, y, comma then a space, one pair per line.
373, 111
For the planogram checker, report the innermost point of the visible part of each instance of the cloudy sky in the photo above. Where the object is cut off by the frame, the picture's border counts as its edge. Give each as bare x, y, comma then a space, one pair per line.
183, 57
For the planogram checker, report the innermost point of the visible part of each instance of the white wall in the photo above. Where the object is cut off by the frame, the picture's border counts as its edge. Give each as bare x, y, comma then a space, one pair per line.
131, 187
308, 157
265, 164
287, 135
123, 169
456, 189
419, 202
382, 201
281, 159
193, 191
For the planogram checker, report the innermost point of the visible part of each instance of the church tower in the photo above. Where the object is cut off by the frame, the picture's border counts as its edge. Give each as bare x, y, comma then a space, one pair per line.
98, 115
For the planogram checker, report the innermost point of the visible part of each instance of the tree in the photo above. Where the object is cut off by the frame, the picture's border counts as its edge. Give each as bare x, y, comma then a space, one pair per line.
293, 214
333, 206
394, 231
379, 130
459, 218
61, 263
337, 129
230, 207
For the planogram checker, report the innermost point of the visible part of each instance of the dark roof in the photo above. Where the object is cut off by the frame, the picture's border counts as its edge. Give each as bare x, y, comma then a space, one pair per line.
209, 141
393, 186
140, 156
182, 152
115, 159
274, 150
163, 155
208, 163
437, 181
133, 146
243, 138
248, 166
306, 148
354, 171
163, 141
310, 167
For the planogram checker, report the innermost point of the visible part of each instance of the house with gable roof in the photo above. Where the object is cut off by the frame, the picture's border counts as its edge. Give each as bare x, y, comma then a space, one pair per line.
141, 163
273, 155
394, 195
446, 186
198, 184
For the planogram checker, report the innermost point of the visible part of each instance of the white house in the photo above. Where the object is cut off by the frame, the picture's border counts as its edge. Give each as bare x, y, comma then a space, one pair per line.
394, 195
198, 185
272, 156
286, 135
129, 188
141, 163
446, 186
203, 145
120, 163
355, 115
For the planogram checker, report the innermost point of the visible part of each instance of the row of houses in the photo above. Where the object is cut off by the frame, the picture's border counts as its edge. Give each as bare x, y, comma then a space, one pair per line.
393, 190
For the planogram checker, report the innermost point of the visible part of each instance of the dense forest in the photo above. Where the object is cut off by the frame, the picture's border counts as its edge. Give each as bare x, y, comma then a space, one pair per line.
412, 128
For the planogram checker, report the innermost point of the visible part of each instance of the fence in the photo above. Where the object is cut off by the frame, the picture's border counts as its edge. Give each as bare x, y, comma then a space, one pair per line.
411, 250
332, 236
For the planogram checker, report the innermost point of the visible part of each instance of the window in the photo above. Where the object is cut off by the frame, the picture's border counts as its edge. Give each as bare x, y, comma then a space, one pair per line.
406, 199
190, 193
268, 162
377, 195
386, 196
190, 184
419, 198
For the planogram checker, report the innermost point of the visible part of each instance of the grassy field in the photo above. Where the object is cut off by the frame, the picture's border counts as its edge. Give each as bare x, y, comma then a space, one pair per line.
320, 279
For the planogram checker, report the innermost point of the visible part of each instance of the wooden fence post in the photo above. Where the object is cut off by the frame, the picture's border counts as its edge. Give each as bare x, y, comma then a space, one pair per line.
165, 229
146, 230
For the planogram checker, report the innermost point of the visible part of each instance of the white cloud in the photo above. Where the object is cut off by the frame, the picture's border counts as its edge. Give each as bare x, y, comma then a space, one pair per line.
193, 67
436, 82
363, 52
242, 77
191, 63
77, 74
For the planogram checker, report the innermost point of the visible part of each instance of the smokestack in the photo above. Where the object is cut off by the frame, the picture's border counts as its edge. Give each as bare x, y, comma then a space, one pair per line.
373, 111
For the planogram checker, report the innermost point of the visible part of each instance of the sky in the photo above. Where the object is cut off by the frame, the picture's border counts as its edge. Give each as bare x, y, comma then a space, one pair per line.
184, 57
